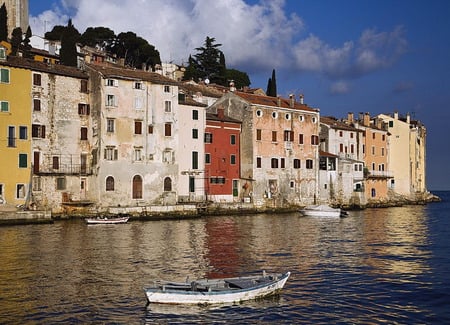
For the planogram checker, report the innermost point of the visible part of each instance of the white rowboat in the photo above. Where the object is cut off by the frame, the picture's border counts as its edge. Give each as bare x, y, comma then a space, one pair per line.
105, 220
321, 211
214, 291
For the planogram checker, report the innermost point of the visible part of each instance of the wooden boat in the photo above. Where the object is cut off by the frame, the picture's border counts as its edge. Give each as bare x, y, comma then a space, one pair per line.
214, 291
322, 210
106, 220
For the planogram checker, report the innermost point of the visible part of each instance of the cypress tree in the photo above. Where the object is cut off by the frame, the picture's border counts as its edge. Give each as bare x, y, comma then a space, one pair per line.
26, 44
273, 89
68, 53
269, 87
16, 40
3, 23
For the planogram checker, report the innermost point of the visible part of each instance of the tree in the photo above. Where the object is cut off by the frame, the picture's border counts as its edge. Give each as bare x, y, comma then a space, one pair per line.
136, 51
240, 78
68, 53
16, 40
209, 62
98, 36
56, 33
26, 49
272, 85
3, 23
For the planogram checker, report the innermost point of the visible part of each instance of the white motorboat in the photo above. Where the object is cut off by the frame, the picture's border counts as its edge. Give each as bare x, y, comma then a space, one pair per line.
321, 210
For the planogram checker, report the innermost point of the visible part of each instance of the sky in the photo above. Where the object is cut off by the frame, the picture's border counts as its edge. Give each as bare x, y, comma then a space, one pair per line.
375, 56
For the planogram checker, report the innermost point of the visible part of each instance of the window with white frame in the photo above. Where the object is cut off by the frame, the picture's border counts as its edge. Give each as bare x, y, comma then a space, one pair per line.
110, 125
110, 100
20, 191
168, 156
167, 106
4, 106
4, 76
111, 153
111, 82
167, 89
138, 154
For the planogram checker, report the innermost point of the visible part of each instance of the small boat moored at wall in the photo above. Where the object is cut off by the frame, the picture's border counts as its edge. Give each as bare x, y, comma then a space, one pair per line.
106, 220
321, 210
214, 291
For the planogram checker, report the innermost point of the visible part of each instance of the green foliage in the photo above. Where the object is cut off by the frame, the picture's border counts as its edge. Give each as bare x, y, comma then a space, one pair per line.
16, 40
136, 51
209, 62
3, 23
98, 36
69, 38
56, 33
272, 85
240, 78
26, 49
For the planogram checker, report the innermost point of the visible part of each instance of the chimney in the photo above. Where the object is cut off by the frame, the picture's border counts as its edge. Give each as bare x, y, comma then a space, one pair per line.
396, 115
301, 98
232, 87
292, 100
278, 101
221, 113
408, 118
350, 118
366, 121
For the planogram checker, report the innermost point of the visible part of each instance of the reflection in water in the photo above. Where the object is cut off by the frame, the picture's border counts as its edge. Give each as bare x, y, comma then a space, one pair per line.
343, 270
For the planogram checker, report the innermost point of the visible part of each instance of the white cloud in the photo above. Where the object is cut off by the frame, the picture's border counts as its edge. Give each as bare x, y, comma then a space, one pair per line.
373, 51
339, 87
251, 35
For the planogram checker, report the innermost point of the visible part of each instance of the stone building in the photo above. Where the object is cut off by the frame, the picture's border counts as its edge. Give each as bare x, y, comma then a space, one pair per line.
17, 12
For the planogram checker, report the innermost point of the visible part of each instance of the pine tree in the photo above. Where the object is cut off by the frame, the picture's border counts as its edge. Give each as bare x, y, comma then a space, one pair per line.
26, 49
3, 23
16, 40
68, 53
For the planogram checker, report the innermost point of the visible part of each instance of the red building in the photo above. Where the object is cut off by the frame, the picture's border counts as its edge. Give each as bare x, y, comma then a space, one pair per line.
222, 157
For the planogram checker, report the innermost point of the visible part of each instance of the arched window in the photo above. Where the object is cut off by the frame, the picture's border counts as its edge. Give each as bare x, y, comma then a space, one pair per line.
373, 192
167, 184
109, 183
137, 187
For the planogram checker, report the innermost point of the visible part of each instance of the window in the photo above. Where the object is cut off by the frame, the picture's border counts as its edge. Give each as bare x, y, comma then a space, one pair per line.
83, 109
373, 192
168, 130
36, 79
137, 127
383, 137
55, 162
340, 134
352, 148
20, 191
194, 133
300, 138
84, 86
274, 136
341, 147
84, 133
167, 89
282, 163
314, 119
109, 183
137, 85
259, 113
11, 136
191, 184
111, 153
258, 162
296, 163
60, 183
4, 76
195, 114
110, 100
2, 56
235, 187
309, 164
315, 140
111, 82
110, 125
258, 134
288, 135
351, 135
373, 150
37, 184
138, 154
233, 159
23, 160
38, 131
208, 138
150, 129
382, 151
137, 187
391, 124
301, 118
207, 158
167, 156
167, 184
287, 116
274, 162
36, 104
373, 135
194, 160
138, 103
23, 132
233, 139
167, 106
4, 106
274, 115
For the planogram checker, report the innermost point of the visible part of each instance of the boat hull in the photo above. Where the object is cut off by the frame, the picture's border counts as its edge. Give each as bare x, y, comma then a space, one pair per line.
106, 221
170, 296
321, 211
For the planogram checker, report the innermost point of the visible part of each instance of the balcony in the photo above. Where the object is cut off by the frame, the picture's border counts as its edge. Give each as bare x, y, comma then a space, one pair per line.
379, 174
63, 169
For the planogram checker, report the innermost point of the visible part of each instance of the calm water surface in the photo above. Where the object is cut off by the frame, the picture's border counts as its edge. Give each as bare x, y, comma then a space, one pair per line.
376, 266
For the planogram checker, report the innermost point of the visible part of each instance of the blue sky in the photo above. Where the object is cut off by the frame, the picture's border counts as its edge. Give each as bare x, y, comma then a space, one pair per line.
376, 56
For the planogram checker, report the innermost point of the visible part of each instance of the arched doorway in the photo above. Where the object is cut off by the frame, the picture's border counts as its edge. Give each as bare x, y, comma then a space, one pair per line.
137, 187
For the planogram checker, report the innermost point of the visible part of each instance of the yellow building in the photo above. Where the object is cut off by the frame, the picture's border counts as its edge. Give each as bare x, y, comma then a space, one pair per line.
15, 137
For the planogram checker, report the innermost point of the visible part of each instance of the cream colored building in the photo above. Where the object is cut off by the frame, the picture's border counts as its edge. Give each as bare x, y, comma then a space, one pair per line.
17, 12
